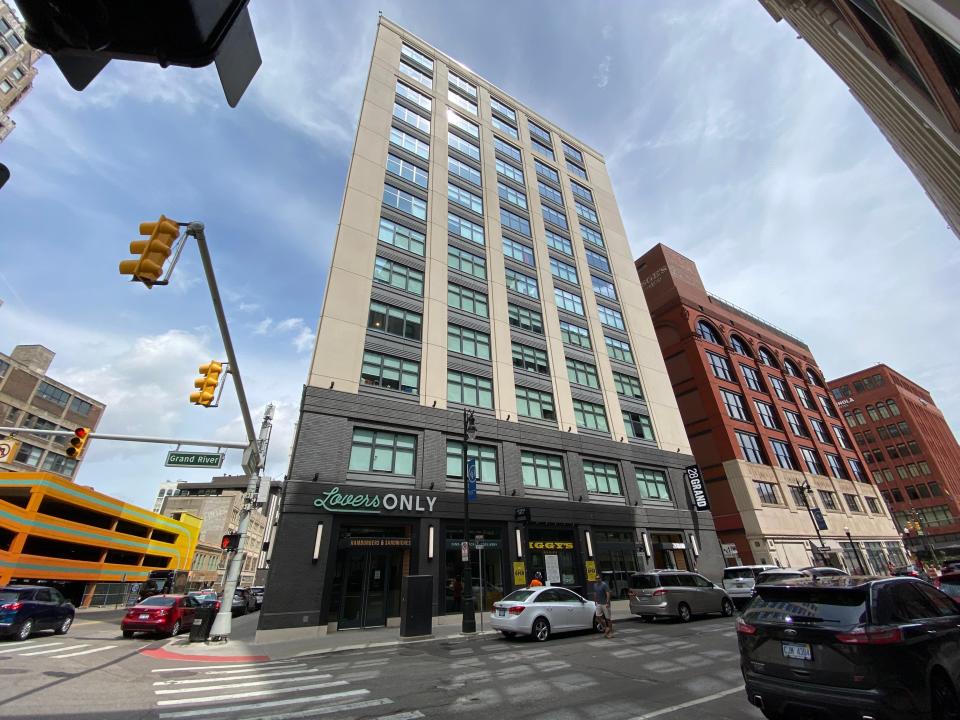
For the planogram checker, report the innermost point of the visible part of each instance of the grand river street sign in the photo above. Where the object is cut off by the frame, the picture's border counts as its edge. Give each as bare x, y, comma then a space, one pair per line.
198, 460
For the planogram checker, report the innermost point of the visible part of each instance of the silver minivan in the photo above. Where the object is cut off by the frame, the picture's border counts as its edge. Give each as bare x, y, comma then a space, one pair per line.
738, 580
676, 593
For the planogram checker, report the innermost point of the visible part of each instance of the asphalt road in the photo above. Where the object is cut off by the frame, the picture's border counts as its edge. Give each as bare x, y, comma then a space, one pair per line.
665, 670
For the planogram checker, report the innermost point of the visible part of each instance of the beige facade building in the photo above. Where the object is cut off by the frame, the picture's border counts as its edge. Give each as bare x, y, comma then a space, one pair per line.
30, 399
901, 61
17, 69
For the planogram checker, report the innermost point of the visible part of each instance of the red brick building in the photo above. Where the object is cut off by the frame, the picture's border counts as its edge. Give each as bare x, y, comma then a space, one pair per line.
911, 453
765, 432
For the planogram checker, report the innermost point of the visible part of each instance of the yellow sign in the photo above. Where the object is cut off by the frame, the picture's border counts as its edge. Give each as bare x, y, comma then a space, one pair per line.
8, 449
550, 545
591, 570
519, 574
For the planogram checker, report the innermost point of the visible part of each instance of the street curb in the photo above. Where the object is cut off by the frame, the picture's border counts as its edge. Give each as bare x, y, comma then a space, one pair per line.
164, 654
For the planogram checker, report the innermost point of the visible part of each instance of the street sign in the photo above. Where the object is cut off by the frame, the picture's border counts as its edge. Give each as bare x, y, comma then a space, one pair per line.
471, 478
465, 551
818, 518
198, 460
700, 499
8, 449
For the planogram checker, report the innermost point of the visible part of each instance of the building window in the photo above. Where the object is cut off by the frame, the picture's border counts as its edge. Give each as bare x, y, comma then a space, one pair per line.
586, 213
739, 346
455, 142
580, 191
593, 237
652, 484
575, 169
409, 143
390, 372
601, 478
720, 366
767, 493
812, 461
859, 417
471, 390
549, 193
790, 367
404, 202
468, 342
466, 262
461, 102
525, 318
5, 85
552, 216
603, 288
402, 237
458, 82
511, 195
509, 171
410, 94
858, 471
799, 496
59, 464
638, 425
853, 502
706, 332
767, 358
627, 385
828, 498
410, 117
520, 283
530, 359
467, 300
581, 373
610, 317
4, 367
559, 242
768, 415
535, 404
805, 398
842, 437
406, 170
574, 335
515, 222
781, 451
873, 505
542, 471
412, 72
546, 171
563, 271
485, 456
618, 349
893, 407
734, 404
77, 406
51, 393
597, 261
506, 148
398, 276
541, 149
781, 389
465, 198
796, 423
821, 431
750, 447
465, 229
395, 321
813, 378
827, 406
538, 131
471, 129
416, 56
571, 302
518, 251
502, 109
504, 127
837, 468
590, 416
382, 452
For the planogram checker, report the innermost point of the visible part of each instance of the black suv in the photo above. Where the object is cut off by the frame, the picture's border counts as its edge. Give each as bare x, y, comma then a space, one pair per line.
851, 647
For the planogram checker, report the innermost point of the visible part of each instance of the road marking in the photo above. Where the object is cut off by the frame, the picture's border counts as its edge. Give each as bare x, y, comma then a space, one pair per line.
270, 704
228, 686
85, 652
314, 712
218, 667
411, 715
21, 645
267, 671
691, 703
252, 693
194, 681
53, 650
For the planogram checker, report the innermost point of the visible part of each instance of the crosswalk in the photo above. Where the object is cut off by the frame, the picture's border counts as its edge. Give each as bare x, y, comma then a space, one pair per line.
55, 647
274, 690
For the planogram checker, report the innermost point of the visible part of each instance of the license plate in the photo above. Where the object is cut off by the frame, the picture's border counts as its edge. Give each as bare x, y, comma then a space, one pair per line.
144, 616
797, 651
501, 612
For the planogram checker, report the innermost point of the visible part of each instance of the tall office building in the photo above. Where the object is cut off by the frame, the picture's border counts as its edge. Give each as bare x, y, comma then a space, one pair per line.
910, 451
786, 483
480, 264
901, 61
17, 69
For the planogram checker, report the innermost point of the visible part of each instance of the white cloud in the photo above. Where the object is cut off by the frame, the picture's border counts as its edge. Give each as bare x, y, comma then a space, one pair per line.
263, 326
603, 72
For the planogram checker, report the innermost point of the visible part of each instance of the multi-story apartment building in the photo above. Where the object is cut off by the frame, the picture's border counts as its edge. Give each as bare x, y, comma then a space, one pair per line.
901, 61
910, 451
480, 264
775, 456
30, 399
167, 487
17, 69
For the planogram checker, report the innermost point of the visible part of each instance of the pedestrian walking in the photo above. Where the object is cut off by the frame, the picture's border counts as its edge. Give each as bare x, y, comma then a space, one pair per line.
601, 596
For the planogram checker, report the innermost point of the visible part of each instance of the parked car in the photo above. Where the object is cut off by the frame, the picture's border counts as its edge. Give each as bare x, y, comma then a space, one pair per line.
778, 574
164, 614
541, 611
243, 602
738, 580
257, 592
676, 593
851, 647
25, 609
824, 571
907, 571
206, 598
949, 583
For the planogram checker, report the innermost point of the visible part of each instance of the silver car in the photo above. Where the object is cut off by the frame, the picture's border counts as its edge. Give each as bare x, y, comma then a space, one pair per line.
542, 611
676, 593
738, 580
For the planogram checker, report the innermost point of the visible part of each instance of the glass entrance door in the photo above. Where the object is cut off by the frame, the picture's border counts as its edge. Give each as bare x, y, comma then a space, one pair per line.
364, 601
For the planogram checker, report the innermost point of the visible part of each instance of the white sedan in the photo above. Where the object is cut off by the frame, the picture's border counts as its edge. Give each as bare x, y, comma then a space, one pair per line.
540, 611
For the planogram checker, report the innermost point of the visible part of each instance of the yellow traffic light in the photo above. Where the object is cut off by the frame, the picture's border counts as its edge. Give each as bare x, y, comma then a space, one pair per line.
78, 442
206, 385
153, 252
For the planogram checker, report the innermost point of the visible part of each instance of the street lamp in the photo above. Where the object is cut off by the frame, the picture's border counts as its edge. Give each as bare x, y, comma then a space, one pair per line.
804, 489
469, 623
856, 551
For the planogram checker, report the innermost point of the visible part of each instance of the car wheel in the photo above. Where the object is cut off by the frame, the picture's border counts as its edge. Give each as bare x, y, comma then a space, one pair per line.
508, 633
64, 627
683, 612
726, 607
541, 629
943, 699
128, 634
175, 630
25, 631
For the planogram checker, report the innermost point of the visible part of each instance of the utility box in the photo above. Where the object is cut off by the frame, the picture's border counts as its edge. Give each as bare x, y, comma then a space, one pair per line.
416, 605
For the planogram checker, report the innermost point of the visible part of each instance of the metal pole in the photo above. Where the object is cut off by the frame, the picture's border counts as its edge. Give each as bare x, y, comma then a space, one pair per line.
926, 537
804, 489
856, 552
480, 567
469, 622
133, 438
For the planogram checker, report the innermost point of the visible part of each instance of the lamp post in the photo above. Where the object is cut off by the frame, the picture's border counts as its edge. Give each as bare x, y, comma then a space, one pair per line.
804, 489
856, 551
469, 623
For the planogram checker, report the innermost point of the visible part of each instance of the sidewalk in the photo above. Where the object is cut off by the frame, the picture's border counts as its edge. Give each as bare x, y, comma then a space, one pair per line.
180, 648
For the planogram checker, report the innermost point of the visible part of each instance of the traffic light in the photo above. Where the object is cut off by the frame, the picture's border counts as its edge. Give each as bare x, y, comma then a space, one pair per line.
82, 36
230, 542
206, 385
153, 251
77, 442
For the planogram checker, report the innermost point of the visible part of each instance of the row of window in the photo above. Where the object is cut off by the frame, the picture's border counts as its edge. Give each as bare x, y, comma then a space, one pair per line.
920, 491
53, 462
868, 383
767, 492
752, 451
903, 471
929, 516
767, 413
881, 411
900, 450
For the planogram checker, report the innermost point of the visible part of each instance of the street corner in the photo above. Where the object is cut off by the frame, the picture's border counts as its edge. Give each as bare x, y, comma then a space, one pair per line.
178, 651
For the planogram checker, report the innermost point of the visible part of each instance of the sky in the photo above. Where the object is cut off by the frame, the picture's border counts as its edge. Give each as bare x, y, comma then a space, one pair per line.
726, 138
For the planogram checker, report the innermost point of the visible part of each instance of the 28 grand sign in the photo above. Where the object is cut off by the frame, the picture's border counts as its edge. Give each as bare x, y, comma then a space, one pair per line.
333, 500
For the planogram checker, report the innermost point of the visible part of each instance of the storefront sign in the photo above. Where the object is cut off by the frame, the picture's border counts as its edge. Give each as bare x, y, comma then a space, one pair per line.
335, 501
379, 542
591, 570
550, 545
553, 568
519, 574
700, 499
728, 549
818, 518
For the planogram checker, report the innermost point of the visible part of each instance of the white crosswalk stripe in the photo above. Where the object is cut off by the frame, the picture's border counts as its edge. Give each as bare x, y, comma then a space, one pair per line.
50, 649
86, 652
231, 685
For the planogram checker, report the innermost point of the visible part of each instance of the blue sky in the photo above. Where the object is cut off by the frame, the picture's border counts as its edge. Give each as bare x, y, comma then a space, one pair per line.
726, 138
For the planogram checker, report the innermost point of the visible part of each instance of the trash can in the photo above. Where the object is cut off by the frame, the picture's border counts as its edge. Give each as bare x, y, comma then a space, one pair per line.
202, 622
416, 605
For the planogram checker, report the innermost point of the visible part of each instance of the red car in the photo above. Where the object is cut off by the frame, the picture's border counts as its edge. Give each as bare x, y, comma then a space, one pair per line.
949, 582
166, 614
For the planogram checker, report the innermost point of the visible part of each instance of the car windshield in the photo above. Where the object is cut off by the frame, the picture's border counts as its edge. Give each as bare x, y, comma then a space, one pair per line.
734, 573
9, 596
519, 595
797, 605
159, 601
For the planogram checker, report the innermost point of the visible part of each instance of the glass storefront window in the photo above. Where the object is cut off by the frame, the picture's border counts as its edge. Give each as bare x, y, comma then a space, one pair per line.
616, 558
559, 542
666, 554
489, 559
